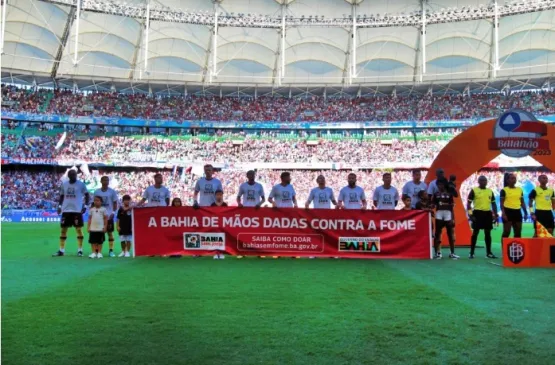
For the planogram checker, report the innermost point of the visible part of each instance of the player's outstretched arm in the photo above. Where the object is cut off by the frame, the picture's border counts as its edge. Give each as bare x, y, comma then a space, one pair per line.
195, 198
494, 207
523, 206
60, 203
105, 228
262, 197
469, 201
262, 201
308, 201
332, 198
87, 201
531, 199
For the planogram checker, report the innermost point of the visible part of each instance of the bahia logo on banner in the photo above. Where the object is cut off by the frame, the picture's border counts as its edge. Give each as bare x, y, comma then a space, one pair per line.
203, 241
515, 252
364, 244
518, 133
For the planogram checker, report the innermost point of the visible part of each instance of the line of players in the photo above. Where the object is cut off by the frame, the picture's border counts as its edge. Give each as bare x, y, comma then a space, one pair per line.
438, 198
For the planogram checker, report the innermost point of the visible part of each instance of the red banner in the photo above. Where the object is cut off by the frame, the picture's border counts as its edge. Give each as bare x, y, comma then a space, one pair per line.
282, 232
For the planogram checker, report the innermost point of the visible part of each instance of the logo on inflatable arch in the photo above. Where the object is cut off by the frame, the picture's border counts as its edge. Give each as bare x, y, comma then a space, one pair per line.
517, 133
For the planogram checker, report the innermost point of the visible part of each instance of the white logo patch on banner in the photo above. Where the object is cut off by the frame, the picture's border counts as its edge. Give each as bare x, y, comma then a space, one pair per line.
203, 241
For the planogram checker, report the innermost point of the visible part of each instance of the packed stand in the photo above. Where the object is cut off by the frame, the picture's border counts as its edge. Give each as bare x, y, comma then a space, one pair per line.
30, 190
102, 149
20, 147
128, 149
27, 100
279, 109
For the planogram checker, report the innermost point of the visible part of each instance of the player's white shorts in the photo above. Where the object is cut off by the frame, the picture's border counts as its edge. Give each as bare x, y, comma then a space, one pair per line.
444, 215
124, 238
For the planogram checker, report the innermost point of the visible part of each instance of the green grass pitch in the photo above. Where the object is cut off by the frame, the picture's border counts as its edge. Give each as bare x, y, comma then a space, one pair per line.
72, 310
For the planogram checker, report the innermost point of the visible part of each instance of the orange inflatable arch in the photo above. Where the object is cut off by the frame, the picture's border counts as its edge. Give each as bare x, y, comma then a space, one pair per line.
467, 153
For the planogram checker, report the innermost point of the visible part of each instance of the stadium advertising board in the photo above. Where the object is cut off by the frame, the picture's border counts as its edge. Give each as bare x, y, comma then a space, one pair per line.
32, 215
29, 161
529, 252
282, 232
161, 123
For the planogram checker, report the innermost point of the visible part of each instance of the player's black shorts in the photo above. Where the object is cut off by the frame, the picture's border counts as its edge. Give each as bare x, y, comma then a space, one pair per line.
545, 218
482, 219
513, 215
71, 220
110, 226
96, 238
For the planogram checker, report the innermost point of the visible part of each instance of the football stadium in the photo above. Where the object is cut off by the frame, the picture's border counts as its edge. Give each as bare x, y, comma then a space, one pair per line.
277, 182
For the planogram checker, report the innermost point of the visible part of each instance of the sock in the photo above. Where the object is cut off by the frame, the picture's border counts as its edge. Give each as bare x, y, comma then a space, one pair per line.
62, 250
488, 242
80, 249
473, 241
111, 250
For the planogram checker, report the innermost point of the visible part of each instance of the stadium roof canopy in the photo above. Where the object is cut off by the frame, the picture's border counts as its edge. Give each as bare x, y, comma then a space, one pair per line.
238, 45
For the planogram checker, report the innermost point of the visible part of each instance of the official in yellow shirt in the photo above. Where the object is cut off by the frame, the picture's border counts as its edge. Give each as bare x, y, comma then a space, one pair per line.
512, 205
542, 203
482, 215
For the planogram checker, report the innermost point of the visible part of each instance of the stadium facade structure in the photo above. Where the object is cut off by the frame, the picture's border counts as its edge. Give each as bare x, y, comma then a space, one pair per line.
284, 48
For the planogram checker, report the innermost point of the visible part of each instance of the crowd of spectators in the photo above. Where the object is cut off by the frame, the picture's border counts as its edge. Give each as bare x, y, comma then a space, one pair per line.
315, 108
30, 100
251, 150
39, 190
30, 190
102, 149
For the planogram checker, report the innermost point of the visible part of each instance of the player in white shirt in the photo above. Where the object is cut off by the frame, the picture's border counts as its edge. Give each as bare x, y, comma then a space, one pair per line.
205, 188
251, 192
386, 196
413, 187
156, 195
74, 199
432, 188
283, 195
109, 202
352, 196
321, 196
97, 226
